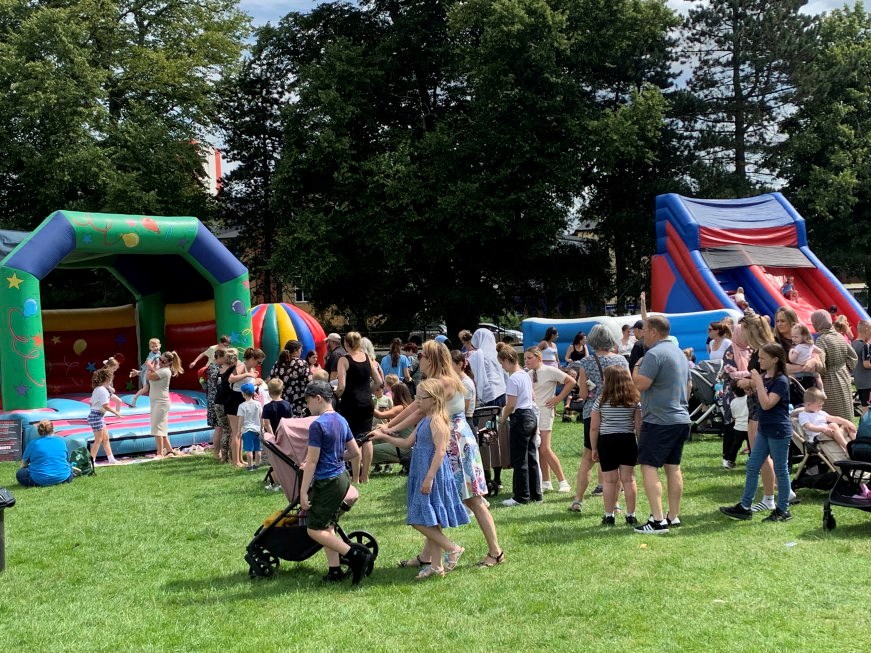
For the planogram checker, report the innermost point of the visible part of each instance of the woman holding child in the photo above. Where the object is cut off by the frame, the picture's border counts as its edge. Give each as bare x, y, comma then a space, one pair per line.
462, 449
242, 372
159, 373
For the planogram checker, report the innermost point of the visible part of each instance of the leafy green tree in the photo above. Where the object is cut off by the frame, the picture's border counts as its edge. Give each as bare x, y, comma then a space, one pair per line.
107, 103
743, 55
826, 158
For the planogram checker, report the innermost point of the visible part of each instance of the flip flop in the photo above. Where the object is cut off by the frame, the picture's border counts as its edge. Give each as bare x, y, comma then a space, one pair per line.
491, 561
413, 562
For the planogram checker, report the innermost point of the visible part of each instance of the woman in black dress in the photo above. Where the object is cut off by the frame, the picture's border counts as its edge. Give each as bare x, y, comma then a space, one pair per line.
356, 372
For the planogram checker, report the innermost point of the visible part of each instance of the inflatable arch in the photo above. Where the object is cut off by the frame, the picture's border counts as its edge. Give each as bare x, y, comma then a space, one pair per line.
150, 256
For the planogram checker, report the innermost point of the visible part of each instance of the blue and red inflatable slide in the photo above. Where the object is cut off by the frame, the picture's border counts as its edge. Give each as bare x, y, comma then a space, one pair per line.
706, 249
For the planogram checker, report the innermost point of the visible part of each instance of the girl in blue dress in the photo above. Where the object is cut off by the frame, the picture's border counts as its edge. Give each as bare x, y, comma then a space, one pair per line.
433, 500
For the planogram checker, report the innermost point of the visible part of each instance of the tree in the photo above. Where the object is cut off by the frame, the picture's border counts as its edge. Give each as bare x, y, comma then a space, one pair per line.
743, 55
107, 102
826, 157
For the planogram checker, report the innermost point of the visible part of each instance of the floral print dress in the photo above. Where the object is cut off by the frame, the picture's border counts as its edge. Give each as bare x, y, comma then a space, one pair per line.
296, 376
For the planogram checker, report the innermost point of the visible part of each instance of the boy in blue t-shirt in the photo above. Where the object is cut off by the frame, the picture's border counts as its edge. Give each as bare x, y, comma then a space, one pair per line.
325, 482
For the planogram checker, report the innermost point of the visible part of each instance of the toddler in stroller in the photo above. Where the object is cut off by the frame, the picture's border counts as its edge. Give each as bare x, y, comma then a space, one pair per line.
316, 496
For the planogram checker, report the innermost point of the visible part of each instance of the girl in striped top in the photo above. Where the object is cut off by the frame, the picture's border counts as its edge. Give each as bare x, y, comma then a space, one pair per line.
614, 423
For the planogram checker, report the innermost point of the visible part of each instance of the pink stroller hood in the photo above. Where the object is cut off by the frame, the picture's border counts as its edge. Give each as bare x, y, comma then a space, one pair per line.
291, 439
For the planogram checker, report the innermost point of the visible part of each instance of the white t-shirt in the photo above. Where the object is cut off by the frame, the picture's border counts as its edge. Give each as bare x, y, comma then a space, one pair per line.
819, 418
717, 354
548, 379
250, 413
740, 413
520, 386
469, 395
100, 397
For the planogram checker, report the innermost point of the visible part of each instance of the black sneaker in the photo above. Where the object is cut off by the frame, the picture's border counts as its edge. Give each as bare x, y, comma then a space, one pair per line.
779, 515
631, 521
672, 523
737, 512
608, 520
597, 491
652, 527
359, 558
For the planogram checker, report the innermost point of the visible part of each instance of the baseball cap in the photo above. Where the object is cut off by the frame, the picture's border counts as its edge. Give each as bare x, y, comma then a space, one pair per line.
440, 338
334, 336
319, 389
638, 325
247, 388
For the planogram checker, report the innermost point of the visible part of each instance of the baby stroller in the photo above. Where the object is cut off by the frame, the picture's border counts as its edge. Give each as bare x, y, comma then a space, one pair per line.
816, 461
706, 404
487, 432
854, 474
283, 535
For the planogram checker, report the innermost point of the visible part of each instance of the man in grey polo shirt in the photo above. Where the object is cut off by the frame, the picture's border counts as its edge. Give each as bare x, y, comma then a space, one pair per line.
662, 377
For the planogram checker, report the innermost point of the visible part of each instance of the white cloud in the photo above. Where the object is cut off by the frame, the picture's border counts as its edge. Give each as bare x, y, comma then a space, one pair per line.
812, 7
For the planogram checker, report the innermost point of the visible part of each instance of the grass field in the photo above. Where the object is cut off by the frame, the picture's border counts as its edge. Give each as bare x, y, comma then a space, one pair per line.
150, 558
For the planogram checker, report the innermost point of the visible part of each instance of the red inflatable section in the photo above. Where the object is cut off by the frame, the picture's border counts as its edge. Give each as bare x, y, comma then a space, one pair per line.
72, 357
189, 341
768, 236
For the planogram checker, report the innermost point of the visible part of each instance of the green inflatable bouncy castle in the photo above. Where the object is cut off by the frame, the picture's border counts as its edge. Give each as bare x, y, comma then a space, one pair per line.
150, 256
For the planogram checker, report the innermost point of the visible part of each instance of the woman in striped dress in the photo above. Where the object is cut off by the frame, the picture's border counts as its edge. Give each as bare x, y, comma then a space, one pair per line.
614, 425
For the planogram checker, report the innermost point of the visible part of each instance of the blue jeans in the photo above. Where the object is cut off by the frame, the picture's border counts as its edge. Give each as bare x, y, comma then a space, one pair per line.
778, 448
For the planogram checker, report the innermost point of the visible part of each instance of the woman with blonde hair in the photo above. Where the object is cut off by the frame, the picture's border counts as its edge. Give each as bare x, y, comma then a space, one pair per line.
463, 452
356, 371
244, 371
159, 373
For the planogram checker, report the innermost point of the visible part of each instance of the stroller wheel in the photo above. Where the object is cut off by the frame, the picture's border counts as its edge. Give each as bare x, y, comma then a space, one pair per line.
829, 523
368, 540
261, 563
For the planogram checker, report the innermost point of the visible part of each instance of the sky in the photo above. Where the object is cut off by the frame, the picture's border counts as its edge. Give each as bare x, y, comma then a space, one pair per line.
272, 10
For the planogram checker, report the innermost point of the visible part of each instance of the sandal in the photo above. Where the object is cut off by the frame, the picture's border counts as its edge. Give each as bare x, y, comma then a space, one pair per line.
414, 562
453, 557
491, 561
428, 572
575, 507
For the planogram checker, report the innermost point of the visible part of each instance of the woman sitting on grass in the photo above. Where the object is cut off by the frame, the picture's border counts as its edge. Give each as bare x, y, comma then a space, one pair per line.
45, 461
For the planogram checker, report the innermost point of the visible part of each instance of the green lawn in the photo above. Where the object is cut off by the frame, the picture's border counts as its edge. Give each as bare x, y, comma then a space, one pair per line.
149, 558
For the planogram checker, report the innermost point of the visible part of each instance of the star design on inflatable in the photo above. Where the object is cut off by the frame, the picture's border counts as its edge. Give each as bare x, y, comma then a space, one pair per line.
14, 281
37, 340
86, 239
55, 340
91, 367
234, 336
22, 390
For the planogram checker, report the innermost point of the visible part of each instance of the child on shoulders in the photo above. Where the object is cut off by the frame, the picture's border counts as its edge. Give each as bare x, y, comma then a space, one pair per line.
814, 421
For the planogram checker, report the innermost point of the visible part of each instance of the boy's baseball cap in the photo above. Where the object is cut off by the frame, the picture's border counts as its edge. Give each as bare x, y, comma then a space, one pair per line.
319, 389
638, 325
247, 388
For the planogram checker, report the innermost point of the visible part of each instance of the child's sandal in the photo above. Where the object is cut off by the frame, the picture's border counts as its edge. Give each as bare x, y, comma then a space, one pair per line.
428, 572
453, 557
575, 507
491, 561
414, 562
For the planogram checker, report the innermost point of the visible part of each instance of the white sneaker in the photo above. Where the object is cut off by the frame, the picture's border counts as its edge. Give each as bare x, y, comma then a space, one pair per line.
564, 487
728, 464
546, 486
511, 502
112, 460
759, 506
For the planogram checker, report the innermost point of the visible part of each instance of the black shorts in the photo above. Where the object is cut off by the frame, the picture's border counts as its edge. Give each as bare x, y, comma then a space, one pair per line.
617, 449
662, 444
864, 394
587, 443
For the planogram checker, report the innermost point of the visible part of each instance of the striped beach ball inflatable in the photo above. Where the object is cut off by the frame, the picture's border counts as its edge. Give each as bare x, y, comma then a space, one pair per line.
274, 324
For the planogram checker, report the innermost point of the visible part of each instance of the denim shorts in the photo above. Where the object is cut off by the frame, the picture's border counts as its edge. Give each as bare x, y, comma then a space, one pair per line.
250, 441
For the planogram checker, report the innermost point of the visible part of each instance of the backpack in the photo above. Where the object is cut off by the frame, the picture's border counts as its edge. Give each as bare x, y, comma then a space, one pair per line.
83, 464
860, 448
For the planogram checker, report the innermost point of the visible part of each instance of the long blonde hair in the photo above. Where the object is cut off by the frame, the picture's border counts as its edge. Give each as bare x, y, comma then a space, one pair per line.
439, 424
440, 364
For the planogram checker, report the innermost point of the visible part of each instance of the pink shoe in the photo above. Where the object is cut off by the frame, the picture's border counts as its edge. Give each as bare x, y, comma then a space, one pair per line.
864, 491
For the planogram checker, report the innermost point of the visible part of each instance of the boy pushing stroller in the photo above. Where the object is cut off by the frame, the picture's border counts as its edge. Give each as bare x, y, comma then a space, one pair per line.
325, 482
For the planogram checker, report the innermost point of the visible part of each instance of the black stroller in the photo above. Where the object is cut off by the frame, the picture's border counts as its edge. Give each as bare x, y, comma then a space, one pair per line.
706, 404
283, 535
